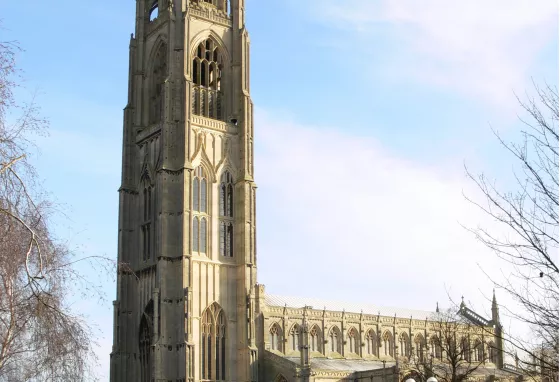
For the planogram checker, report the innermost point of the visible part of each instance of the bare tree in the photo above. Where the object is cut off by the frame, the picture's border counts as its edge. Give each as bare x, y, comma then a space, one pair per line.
451, 354
529, 217
40, 338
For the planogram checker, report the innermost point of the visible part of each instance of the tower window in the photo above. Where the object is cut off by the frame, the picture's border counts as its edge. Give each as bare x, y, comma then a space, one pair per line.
153, 12
200, 212
226, 215
213, 344
157, 84
207, 78
146, 227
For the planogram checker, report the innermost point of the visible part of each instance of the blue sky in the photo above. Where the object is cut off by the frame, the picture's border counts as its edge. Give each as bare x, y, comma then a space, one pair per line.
365, 113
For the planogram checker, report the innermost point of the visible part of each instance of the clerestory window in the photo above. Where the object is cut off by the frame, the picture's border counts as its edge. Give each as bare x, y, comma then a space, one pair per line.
207, 77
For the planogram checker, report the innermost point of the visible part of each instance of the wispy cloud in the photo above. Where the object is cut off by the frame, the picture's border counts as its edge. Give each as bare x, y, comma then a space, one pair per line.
350, 220
479, 48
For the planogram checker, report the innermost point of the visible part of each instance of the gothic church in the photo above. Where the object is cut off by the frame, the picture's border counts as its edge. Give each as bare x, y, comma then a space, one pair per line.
188, 305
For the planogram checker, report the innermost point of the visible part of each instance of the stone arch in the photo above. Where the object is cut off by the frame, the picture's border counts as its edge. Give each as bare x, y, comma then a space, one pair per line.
419, 345
158, 71
404, 345
280, 378
294, 337
209, 34
387, 344
145, 341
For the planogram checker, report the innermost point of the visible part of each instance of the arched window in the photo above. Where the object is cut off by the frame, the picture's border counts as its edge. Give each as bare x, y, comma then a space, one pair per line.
157, 84
226, 215
436, 347
388, 344
404, 345
207, 77
335, 340
280, 378
419, 344
371, 343
465, 350
275, 337
294, 337
492, 354
478, 351
213, 343
353, 341
147, 216
200, 212
145, 343
315, 339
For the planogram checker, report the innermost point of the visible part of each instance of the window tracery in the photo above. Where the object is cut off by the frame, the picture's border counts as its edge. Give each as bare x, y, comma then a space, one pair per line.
404, 345
419, 344
207, 69
371, 342
315, 339
213, 343
353, 341
226, 215
492, 352
275, 334
388, 346
335, 340
436, 347
478, 351
145, 343
146, 227
158, 76
465, 349
200, 212
295, 337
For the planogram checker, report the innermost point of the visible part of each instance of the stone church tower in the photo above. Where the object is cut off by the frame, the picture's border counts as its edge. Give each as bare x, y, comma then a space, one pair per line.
187, 254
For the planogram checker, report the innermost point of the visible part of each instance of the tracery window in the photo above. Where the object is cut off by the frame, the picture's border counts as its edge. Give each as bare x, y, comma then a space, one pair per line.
478, 351
371, 342
492, 356
436, 347
388, 344
213, 343
315, 339
294, 337
207, 69
353, 341
226, 215
419, 344
465, 349
146, 228
275, 337
404, 345
157, 79
145, 343
200, 211
153, 10
335, 340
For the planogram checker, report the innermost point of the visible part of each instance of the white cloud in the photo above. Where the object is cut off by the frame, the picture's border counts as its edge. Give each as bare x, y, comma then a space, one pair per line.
350, 220
479, 48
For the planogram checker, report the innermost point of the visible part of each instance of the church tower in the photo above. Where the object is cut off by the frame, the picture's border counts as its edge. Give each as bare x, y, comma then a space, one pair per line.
186, 246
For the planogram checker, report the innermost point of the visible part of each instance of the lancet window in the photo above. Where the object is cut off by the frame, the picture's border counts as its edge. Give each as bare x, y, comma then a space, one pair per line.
146, 229
335, 340
492, 354
419, 344
200, 211
371, 343
145, 343
275, 337
157, 79
465, 349
207, 69
213, 344
353, 341
226, 215
436, 347
295, 337
387, 344
404, 345
478, 351
315, 339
